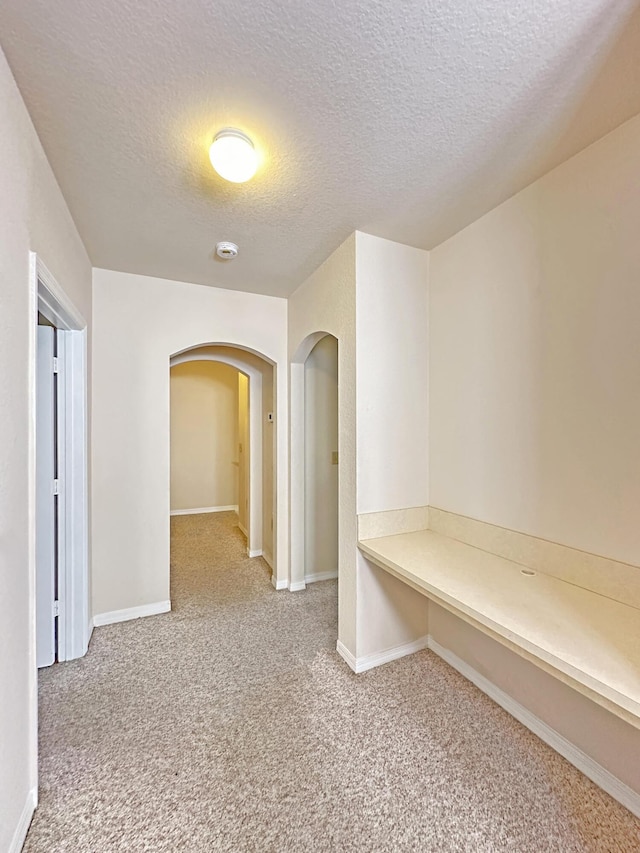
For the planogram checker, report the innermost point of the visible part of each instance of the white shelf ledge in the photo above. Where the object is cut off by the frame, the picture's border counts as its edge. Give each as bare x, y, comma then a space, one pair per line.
587, 640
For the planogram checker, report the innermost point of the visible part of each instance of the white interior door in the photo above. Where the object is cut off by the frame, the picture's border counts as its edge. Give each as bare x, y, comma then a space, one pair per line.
45, 499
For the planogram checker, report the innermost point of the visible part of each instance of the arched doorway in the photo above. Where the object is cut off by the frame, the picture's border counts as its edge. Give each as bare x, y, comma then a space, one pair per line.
256, 452
314, 461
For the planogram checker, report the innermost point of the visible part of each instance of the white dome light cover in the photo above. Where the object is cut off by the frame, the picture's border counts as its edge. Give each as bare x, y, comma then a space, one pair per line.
233, 156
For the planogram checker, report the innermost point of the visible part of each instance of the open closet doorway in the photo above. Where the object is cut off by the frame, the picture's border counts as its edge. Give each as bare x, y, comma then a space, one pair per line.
321, 461
60, 488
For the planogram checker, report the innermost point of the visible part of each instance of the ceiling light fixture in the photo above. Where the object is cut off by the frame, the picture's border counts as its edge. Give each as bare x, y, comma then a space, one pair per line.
233, 156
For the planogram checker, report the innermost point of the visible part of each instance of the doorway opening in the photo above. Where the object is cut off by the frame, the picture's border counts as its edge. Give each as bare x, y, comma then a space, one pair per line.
314, 461
321, 461
223, 450
59, 473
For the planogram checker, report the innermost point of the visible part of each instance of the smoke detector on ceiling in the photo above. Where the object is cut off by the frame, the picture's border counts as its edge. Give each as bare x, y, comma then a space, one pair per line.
226, 250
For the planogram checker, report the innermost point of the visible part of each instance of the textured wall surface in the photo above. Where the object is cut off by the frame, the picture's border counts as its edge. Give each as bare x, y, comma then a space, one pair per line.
403, 121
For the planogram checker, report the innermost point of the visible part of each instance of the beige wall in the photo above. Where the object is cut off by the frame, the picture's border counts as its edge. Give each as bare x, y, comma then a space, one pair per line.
151, 320
534, 410
535, 357
204, 435
321, 474
33, 216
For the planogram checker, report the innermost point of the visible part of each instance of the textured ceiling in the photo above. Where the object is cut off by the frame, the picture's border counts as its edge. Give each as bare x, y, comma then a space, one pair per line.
403, 119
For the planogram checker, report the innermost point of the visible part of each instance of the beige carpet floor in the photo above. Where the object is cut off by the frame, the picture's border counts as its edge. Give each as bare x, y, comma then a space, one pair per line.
231, 724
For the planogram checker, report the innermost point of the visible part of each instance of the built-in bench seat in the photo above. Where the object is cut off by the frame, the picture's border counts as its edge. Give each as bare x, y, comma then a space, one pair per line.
588, 640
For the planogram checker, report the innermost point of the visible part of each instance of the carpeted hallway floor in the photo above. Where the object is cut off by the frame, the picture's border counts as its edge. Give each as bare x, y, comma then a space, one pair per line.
231, 724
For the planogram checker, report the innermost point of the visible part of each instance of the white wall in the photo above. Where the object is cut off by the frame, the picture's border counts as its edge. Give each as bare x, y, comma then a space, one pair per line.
535, 357
33, 216
204, 435
321, 474
139, 323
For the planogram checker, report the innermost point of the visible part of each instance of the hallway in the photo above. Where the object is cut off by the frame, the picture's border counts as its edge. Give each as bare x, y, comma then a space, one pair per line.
231, 724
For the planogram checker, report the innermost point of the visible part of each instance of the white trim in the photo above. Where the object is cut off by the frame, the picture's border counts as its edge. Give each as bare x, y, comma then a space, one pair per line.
53, 302
621, 792
73, 514
256, 553
131, 613
321, 576
243, 530
20, 833
73, 519
346, 655
279, 584
268, 560
378, 658
199, 510
31, 521
296, 586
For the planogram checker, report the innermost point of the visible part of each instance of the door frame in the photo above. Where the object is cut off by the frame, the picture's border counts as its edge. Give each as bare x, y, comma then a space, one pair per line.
254, 532
74, 619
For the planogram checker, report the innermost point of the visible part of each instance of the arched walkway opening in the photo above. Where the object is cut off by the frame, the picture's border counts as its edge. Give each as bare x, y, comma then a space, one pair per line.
314, 461
222, 439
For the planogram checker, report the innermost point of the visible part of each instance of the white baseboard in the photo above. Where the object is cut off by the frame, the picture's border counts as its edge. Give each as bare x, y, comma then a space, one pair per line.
366, 662
279, 584
201, 509
346, 655
131, 613
617, 789
268, 559
296, 586
20, 833
243, 530
321, 576
255, 553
